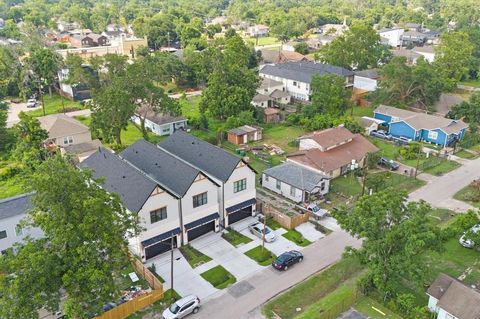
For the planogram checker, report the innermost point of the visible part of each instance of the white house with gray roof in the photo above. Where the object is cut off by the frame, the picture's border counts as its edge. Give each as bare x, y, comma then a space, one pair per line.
237, 193
297, 76
12, 211
295, 182
179, 194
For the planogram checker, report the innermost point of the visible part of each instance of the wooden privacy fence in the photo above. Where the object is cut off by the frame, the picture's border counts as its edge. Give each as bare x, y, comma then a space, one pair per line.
124, 310
289, 222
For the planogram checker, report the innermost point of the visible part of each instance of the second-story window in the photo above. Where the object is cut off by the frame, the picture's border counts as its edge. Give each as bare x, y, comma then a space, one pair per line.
240, 185
278, 184
158, 215
200, 199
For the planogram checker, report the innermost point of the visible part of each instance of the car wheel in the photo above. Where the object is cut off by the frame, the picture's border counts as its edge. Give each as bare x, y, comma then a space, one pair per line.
300, 259
195, 310
285, 268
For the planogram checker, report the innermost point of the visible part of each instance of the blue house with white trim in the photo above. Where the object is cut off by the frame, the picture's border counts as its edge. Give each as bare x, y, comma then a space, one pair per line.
421, 126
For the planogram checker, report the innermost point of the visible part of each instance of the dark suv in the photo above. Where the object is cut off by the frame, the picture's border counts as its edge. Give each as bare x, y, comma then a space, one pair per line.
388, 163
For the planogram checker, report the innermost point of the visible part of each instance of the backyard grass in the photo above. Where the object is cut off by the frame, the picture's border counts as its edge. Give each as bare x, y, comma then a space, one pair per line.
466, 154
469, 195
400, 182
442, 168
219, 277
312, 289
475, 148
193, 256
296, 237
157, 307
365, 306
263, 41
263, 257
273, 224
347, 185
129, 136
235, 238
386, 149
53, 105
282, 135
190, 106
359, 111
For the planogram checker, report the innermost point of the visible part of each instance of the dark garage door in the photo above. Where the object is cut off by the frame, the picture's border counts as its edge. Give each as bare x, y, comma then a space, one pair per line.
159, 248
239, 215
201, 230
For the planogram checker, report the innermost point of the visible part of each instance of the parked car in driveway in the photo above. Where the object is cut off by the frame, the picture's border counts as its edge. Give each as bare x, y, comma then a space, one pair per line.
257, 230
468, 243
182, 307
401, 140
316, 211
388, 163
287, 259
381, 134
31, 103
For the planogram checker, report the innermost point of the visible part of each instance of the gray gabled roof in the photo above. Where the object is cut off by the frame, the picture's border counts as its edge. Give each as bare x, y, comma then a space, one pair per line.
203, 155
121, 178
303, 71
296, 175
169, 171
14, 206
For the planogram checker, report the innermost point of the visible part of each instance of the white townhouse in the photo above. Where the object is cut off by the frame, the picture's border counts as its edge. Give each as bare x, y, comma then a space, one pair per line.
297, 76
237, 193
12, 211
366, 80
174, 199
393, 35
159, 123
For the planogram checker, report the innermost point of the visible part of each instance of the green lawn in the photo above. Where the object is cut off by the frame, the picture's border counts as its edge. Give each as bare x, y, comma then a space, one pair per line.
128, 136
273, 224
359, 111
219, 277
282, 135
262, 256
53, 105
347, 185
235, 238
11, 187
366, 306
474, 83
296, 237
193, 256
263, 41
466, 154
469, 195
386, 149
475, 148
400, 182
442, 168
157, 307
441, 215
336, 302
311, 290
190, 106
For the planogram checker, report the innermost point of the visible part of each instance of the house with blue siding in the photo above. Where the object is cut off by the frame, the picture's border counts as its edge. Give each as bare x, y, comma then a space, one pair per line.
421, 126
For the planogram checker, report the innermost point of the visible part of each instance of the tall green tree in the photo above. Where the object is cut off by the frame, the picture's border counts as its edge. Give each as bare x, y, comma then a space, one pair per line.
29, 136
231, 85
454, 55
83, 251
328, 96
44, 63
394, 234
360, 48
468, 111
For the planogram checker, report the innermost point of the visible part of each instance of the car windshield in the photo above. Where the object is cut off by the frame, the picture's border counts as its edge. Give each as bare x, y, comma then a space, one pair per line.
315, 209
174, 308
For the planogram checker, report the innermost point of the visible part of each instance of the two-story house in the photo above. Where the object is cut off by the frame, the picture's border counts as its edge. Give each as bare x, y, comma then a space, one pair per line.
64, 130
12, 211
421, 126
297, 76
332, 152
237, 193
450, 298
393, 36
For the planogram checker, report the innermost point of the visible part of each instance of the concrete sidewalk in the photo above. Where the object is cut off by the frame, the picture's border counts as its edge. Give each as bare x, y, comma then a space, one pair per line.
243, 298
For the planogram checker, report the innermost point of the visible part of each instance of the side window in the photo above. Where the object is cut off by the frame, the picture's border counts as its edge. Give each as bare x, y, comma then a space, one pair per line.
188, 305
279, 184
158, 215
200, 199
240, 185
3, 234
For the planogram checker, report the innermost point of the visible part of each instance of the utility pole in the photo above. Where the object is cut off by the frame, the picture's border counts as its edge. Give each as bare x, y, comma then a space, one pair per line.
171, 269
418, 160
264, 225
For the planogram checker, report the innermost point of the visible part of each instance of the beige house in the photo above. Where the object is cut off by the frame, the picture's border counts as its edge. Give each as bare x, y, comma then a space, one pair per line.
64, 130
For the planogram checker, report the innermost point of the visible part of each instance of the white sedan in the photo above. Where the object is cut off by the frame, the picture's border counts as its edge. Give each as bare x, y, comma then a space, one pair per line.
257, 230
466, 242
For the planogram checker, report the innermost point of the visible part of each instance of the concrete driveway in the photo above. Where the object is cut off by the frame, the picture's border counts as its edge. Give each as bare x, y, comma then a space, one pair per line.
309, 232
185, 279
14, 110
278, 247
224, 254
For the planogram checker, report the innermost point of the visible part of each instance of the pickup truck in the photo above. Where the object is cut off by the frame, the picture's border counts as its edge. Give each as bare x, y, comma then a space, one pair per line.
316, 211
